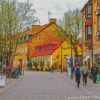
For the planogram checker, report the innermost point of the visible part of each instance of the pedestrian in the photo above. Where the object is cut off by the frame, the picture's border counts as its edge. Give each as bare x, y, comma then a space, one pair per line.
78, 74
94, 71
85, 73
98, 75
52, 68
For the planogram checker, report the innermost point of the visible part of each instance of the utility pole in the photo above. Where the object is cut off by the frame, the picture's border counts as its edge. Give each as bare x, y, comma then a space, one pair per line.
61, 59
71, 58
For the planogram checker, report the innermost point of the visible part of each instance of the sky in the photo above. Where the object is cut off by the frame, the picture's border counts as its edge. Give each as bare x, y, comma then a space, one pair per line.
56, 7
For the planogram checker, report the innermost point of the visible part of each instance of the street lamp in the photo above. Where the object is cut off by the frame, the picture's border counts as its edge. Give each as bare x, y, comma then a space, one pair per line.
71, 59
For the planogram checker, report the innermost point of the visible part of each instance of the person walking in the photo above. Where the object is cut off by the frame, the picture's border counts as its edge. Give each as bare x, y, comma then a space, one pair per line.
52, 68
98, 75
94, 71
84, 73
78, 74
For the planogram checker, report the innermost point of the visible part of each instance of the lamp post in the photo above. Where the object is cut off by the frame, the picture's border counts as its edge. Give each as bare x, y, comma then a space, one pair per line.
61, 59
71, 59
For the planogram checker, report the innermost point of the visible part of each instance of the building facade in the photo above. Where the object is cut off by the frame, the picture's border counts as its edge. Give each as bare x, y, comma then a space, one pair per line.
91, 32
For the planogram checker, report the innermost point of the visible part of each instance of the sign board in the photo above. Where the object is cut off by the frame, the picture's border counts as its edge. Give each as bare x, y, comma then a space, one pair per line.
2, 80
69, 70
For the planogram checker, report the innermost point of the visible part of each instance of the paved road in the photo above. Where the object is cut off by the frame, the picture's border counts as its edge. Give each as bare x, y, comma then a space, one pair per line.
46, 86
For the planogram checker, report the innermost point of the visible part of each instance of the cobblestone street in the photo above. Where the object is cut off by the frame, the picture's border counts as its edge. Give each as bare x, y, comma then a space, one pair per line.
48, 86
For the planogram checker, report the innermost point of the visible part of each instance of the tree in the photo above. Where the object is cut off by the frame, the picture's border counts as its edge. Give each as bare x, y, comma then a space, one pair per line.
14, 18
72, 25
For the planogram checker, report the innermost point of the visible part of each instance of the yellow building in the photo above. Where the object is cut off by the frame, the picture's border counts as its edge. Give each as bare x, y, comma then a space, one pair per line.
50, 53
42, 44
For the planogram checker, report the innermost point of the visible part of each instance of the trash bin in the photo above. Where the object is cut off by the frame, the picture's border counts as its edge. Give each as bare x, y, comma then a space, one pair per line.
2, 80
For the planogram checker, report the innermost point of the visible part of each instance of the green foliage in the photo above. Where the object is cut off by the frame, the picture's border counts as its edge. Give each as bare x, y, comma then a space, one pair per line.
15, 17
35, 63
41, 63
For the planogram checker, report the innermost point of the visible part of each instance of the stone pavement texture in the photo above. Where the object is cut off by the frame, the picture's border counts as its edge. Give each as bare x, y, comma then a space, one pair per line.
48, 86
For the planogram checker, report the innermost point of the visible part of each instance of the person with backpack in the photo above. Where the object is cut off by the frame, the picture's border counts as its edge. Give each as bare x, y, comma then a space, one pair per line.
78, 74
94, 71
98, 75
84, 73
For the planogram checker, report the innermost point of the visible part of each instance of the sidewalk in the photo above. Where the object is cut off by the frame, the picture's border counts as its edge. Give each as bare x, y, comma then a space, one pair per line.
10, 82
91, 87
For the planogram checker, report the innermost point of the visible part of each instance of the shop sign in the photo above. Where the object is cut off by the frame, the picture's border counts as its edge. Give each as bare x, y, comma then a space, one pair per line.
2, 80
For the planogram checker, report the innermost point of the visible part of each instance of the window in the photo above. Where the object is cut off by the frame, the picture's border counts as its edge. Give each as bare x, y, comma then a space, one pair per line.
88, 11
40, 59
23, 61
18, 50
25, 49
48, 47
98, 22
37, 61
46, 60
32, 59
23, 38
88, 30
15, 61
22, 50
98, 2
18, 62
37, 49
26, 37
42, 48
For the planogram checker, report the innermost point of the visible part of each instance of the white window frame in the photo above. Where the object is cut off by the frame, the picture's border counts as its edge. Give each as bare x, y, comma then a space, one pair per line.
23, 38
25, 49
15, 62
89, 30
22, 50
46, 61
18, 62
42, 48
26, 37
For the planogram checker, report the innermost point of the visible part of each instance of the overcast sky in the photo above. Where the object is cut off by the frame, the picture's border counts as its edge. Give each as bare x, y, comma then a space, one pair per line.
56, 7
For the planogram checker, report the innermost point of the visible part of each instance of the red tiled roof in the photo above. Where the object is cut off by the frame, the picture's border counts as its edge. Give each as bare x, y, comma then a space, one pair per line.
39, 28
50, 41
80, 45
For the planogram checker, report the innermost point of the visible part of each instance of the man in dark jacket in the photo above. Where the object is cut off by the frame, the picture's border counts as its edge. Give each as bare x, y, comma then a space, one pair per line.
94, 71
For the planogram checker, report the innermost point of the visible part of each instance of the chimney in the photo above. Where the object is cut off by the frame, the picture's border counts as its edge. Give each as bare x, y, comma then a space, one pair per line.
52, 20
34, 27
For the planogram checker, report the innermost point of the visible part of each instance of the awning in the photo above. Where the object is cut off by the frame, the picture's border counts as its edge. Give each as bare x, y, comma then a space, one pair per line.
86, 58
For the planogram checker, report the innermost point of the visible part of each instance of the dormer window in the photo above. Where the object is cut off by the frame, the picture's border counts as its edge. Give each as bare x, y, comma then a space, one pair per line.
88, 11
37, 49
48, 47
42, 48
